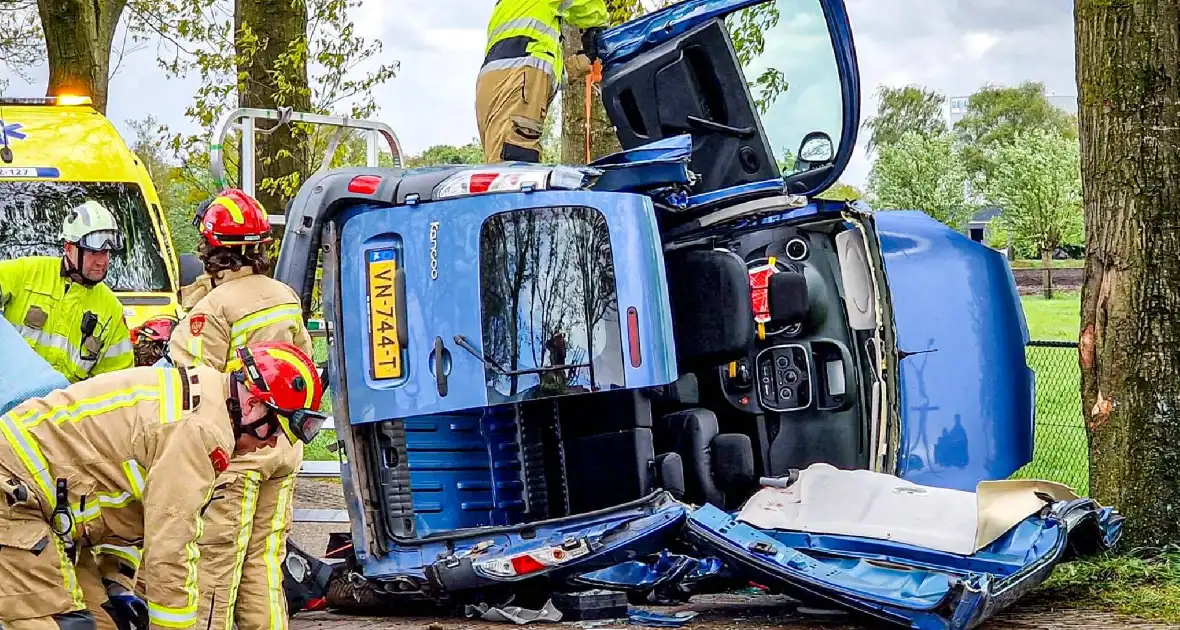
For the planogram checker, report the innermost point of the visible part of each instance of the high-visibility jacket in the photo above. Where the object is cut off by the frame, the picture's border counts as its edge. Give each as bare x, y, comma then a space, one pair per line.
143, 448
528, 32
242, 306
49, 311
246, 525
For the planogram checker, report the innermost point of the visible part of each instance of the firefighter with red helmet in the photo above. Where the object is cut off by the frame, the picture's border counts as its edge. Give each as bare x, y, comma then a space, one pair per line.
242, 303
150, 339
146, 447
246, 525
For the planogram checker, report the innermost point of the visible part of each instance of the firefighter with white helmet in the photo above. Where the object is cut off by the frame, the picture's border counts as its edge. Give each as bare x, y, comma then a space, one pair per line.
61, 306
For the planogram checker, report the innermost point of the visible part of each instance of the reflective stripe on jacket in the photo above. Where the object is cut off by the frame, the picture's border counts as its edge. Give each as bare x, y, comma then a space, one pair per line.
48, 310
140, 442
528, 32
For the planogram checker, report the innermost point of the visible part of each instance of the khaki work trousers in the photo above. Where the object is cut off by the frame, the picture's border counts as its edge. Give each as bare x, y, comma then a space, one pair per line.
510, 109
242, 551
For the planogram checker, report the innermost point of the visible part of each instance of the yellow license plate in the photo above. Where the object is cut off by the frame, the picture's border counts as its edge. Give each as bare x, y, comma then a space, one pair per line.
384, 349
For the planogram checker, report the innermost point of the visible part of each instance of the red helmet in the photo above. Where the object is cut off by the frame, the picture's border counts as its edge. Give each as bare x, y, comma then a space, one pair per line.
232, 218
155, 329
288, 382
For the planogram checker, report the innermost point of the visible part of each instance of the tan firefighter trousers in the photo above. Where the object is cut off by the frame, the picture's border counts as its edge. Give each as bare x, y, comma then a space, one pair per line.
242, 551
37, 577
510, 110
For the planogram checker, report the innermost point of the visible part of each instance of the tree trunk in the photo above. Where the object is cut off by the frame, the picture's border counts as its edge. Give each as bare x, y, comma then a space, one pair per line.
1128, 80
78, 36
603, 140
1047, 274
272, 63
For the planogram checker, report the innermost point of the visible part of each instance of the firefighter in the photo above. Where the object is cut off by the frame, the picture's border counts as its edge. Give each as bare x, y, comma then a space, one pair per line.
246, 526
145, 441
150, 339
61, 306
523, 63
242, 302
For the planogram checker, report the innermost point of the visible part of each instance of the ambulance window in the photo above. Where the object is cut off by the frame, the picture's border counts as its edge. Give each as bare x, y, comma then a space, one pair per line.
31, 216
548, 293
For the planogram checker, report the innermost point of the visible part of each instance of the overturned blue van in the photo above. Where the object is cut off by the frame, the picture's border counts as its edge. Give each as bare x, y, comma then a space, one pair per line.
543, 372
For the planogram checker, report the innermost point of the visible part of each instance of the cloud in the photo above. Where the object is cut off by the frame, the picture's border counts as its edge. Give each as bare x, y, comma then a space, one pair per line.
1007, 16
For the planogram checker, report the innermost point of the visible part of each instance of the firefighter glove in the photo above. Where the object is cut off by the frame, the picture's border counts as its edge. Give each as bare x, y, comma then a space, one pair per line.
128, 611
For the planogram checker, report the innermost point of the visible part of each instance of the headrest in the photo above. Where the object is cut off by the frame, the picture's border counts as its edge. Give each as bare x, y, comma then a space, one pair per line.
710, 298
190, 268
787, 297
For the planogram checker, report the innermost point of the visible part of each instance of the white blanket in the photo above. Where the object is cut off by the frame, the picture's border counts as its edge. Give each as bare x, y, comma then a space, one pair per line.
826, 500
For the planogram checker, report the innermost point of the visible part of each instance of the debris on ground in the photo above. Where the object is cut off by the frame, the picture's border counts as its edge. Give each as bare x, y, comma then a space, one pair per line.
514, 614
595, 605
666, 579
660, 620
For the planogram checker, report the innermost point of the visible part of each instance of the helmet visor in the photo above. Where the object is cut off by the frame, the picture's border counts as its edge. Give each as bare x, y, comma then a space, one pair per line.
304, 424
102, 240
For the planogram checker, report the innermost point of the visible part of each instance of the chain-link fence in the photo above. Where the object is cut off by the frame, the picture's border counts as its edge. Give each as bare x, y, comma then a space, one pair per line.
1061, 452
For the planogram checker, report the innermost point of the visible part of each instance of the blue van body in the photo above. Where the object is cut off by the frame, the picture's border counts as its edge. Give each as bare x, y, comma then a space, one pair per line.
543, 374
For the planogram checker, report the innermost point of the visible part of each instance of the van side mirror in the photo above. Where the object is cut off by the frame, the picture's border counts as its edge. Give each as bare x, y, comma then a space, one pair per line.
816, 149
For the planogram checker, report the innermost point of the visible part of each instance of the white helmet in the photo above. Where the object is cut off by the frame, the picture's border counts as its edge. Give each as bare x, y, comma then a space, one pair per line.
92, 227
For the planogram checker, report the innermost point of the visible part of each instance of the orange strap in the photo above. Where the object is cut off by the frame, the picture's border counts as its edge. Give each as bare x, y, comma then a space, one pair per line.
594, 76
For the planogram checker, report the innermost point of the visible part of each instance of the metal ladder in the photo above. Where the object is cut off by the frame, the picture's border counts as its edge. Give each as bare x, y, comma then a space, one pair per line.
244, 118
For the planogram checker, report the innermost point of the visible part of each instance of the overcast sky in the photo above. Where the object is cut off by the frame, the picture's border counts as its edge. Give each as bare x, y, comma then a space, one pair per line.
951, 45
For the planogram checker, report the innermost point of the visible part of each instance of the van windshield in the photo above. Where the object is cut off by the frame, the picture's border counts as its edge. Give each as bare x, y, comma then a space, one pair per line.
31, 215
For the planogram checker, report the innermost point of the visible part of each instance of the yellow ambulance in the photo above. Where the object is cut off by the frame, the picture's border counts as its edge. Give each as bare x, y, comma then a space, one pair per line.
56, 153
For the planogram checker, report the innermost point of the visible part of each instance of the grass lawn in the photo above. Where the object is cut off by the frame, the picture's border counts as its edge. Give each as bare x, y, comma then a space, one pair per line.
1060, 448
318, 451
1147, 586
1058, 319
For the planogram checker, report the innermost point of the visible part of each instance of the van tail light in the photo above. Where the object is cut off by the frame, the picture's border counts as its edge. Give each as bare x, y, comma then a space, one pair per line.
523, 565
633, 337
509, 179
481, 182
530, 562
364, 184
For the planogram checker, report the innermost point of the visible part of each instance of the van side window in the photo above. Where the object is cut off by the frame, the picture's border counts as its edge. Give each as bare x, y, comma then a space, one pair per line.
550, 304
